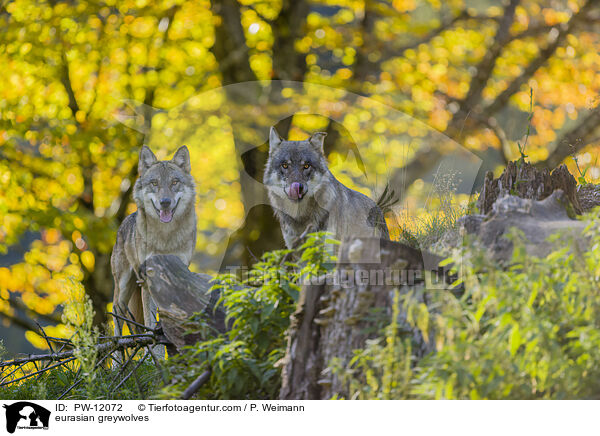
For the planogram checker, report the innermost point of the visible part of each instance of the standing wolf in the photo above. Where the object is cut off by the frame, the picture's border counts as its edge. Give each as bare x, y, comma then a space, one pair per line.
165, 223
305, 195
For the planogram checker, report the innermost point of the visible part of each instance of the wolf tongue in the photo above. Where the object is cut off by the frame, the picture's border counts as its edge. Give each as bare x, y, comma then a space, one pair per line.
166, 216
295, 190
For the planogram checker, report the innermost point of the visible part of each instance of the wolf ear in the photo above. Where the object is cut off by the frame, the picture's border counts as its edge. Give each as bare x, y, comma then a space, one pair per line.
182, 159
147, 159
274, 139
317, 140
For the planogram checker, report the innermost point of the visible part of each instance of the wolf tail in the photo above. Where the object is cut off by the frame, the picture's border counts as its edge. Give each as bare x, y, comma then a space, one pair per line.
387, 199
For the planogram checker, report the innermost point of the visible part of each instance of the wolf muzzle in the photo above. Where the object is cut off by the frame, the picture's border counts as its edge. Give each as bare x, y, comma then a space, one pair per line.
164, 213
296, 191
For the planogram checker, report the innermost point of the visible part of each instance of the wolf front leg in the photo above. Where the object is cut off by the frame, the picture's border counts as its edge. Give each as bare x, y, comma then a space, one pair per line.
150, 310
125, 287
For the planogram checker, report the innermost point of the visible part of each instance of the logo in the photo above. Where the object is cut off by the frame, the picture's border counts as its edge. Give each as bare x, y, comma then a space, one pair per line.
26, 415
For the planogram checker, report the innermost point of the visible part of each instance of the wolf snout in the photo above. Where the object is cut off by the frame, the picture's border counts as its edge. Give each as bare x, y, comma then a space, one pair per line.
165, 202
296, 191
166, 212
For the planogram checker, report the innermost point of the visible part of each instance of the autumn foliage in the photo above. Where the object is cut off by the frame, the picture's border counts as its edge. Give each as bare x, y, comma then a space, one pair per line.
85, 84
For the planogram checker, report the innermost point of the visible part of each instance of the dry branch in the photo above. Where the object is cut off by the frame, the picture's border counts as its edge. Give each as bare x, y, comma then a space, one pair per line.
196, 384
109, 346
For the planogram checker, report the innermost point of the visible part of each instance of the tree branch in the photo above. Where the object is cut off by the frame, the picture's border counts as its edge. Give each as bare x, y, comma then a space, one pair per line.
574, 140
499, 132
101, 34
86, 199
65, 78
20, 322
18, 304
110, 345
533, 31
363, 66
464, 14
469, 106
258, 14
563, 30
230, 41
16, 161
394, 52
288, 64
486, 65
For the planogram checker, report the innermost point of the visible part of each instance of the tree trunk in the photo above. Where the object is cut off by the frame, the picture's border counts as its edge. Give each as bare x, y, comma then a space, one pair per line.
179, 294
333, 320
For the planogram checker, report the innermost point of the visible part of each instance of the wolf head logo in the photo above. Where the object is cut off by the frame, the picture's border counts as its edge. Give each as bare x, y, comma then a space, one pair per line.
164, 187
295, 168
27, 415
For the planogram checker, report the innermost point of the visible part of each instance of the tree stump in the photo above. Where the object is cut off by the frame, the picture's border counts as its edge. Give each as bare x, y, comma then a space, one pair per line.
333, 319
589, 196
526, 181
179, 294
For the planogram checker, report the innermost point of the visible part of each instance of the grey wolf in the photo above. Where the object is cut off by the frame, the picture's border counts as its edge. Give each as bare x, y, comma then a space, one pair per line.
164, 223
307, 197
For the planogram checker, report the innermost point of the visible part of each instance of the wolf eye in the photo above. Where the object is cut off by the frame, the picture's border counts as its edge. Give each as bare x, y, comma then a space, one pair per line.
154, 182
306, 166
174, 182
284, 165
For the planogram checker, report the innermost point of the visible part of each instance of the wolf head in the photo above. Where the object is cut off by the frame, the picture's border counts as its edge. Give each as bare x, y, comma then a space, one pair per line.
164, 189
295, 169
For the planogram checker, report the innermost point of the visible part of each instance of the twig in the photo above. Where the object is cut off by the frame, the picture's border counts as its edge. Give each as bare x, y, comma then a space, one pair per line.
39, 372
45, 337
131, 372
120, 343
159, 365
73, 386
139, 335
124, 365
24, 324
68, 343
78, 382
19, 367
196, 384
61, 340
137, 324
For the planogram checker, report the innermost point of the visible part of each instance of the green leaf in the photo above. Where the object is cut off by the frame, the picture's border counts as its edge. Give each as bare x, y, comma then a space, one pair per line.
514, 340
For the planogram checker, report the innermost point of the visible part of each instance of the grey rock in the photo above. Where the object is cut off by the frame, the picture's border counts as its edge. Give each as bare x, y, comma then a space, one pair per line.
470, 223
537, 220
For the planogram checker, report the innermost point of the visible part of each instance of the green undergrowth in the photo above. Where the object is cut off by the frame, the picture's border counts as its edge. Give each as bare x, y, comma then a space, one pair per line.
528, 331
246, 361
52, 384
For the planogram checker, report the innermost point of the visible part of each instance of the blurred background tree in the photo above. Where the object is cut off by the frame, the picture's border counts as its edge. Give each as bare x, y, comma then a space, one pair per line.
73, 70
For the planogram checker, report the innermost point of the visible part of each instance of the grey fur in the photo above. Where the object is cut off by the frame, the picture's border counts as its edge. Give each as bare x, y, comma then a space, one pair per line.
143, 234
327, 204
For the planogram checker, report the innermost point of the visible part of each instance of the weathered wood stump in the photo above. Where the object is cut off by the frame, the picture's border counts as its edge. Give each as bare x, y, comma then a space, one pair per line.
179, 294
589, 196
333, 319
526, 181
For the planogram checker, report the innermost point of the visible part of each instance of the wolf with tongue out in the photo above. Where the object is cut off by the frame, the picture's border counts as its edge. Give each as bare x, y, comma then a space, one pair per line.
165, 223
306, 196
